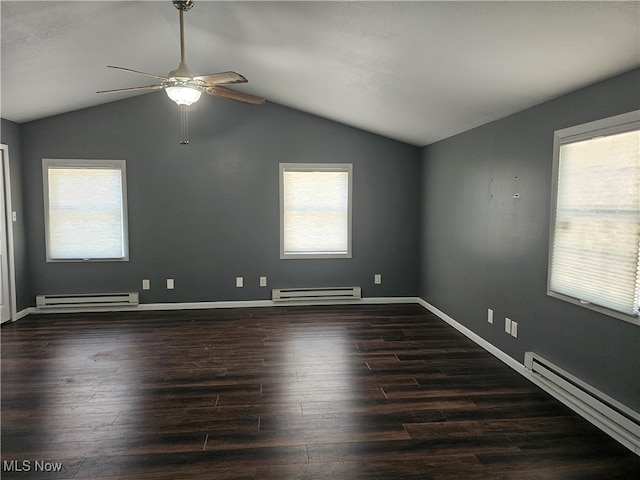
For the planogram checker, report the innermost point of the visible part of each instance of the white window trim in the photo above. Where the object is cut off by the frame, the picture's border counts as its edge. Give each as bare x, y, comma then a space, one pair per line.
83, 163
311, 167
611, 125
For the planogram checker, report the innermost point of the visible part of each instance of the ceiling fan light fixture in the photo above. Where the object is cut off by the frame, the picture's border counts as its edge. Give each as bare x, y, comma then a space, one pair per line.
182, 86
183, 95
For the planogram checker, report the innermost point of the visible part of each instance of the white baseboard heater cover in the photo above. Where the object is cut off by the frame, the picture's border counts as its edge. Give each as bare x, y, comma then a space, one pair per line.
315, 294
614, 418
130, 299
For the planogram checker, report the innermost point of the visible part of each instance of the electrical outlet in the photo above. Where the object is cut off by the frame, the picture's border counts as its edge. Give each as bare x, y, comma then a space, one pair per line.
489, 315
239, 282
170, 284
514, 329
507, 325
377, 279
263, 281
145, 284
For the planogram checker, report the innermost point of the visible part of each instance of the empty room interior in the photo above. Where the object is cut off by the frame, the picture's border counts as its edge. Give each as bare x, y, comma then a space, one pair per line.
305, 240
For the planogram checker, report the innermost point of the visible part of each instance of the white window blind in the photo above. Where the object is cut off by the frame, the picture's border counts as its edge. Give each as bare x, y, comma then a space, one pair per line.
315, 210
85, 210
595, 256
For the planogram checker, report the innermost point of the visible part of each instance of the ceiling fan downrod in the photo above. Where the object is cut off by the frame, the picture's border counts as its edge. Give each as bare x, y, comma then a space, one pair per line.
182, 71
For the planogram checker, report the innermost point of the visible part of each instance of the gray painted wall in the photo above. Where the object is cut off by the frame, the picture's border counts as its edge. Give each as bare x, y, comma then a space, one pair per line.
205, 213
10, 135
481, 249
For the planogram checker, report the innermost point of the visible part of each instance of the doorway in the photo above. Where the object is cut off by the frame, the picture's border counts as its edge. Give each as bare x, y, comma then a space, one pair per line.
7, 282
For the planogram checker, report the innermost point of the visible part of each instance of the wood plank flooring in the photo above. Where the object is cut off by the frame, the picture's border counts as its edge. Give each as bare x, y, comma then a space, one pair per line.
336, 392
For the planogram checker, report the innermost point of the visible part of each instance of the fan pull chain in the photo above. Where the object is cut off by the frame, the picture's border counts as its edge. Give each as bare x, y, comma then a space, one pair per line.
184, 122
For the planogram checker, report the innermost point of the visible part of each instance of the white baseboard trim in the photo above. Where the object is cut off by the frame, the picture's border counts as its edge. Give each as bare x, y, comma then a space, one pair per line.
496, 352
22, 313
205, 305
597, 420
383, 300
271, 303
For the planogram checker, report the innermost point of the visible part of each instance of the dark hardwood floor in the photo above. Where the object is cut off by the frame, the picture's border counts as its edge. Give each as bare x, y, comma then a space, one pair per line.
339, 392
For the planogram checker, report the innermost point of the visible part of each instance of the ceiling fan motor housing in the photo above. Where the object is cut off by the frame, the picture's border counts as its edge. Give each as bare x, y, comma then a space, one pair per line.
184, 5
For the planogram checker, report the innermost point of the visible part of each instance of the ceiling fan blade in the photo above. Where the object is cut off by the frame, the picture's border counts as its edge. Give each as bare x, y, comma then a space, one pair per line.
132, 89
222, 78
233, 95
160, 77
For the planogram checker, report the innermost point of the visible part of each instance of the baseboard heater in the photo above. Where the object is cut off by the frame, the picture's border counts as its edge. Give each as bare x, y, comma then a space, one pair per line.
315, 294
616, 419
88, 300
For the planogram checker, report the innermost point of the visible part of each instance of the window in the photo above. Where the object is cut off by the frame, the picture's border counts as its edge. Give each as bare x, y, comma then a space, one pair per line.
85, 210
595, 230
315, 210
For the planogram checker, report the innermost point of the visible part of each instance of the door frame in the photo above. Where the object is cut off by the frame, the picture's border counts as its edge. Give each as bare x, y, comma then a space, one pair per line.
9, 221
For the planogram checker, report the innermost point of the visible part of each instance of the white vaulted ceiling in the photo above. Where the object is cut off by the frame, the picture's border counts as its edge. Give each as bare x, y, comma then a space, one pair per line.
413, 71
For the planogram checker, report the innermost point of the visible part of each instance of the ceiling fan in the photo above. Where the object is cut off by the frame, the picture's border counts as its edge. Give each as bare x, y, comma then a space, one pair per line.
185, 88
